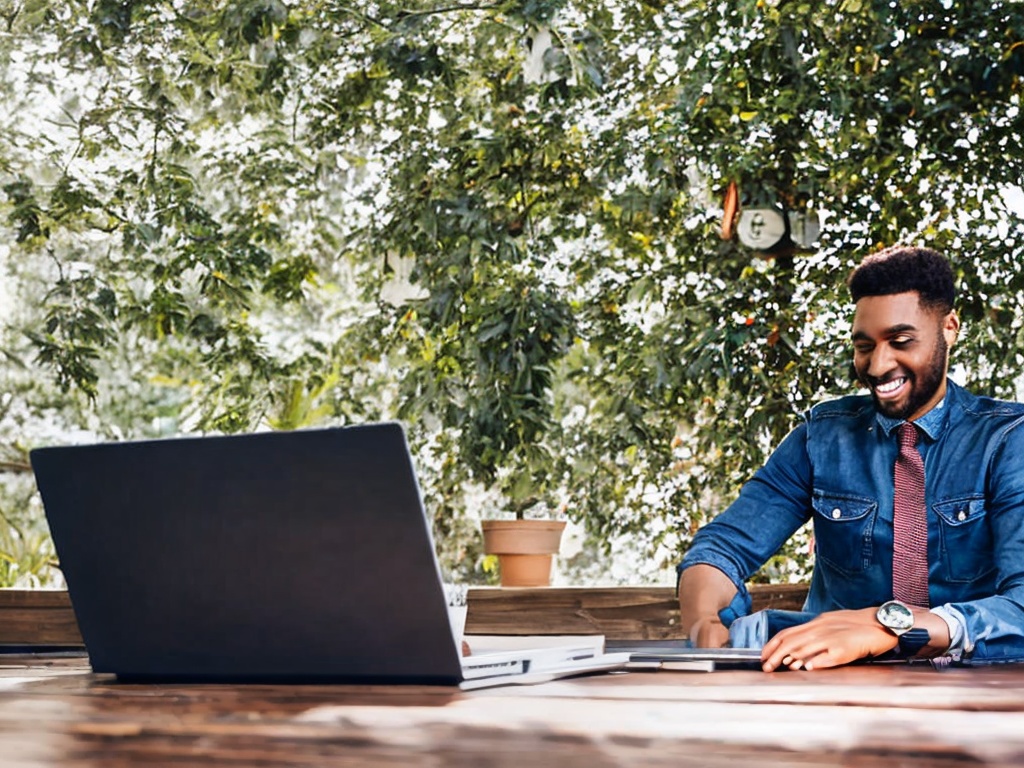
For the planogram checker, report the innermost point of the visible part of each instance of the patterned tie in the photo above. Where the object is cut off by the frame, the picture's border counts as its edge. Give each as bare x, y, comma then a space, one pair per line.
910, 523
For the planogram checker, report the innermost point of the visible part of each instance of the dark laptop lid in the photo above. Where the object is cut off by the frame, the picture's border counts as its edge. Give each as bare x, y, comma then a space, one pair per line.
284, 555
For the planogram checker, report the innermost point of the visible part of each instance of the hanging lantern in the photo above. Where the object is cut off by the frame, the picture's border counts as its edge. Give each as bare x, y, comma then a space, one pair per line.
769, 228
761, 228
804, 228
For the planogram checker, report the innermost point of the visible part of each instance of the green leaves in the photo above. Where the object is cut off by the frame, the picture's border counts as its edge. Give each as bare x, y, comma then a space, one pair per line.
500, 223
254, 20
25, 214
76, 327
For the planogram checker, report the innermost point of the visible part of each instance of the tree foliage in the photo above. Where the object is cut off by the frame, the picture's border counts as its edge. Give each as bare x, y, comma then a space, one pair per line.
498, 222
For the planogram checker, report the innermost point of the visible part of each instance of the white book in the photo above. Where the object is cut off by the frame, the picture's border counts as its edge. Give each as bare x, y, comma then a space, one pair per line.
504, 660
492, 664
509, 655
493, 643
606, 662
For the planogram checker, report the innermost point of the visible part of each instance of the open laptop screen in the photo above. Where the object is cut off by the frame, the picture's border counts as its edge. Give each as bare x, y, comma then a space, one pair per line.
272, 556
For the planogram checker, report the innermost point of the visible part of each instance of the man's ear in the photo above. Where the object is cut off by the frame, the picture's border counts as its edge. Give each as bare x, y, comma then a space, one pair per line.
951, 328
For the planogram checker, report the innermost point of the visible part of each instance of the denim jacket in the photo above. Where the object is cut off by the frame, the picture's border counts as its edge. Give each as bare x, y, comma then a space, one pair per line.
837, 469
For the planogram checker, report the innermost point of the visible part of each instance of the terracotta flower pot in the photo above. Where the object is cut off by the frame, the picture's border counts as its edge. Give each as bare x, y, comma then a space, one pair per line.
524, 549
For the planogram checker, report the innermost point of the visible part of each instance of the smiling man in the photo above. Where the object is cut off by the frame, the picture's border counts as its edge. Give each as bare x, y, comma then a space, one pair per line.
916, 492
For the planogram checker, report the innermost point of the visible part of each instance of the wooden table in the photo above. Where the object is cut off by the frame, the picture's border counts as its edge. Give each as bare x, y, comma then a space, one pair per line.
55, 712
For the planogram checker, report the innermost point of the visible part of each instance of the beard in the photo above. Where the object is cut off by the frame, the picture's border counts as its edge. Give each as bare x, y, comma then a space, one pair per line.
922, 388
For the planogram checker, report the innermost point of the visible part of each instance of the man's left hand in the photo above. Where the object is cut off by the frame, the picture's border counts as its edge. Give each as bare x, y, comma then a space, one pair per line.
828, 640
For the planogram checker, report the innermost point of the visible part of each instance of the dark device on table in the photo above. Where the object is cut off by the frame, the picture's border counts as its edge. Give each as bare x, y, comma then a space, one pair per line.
277, 556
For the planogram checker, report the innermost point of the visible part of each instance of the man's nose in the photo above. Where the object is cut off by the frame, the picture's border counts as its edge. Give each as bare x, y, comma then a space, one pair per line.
881, 361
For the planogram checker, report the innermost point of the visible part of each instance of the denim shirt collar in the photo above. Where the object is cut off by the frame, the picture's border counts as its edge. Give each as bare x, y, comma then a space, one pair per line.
932, 423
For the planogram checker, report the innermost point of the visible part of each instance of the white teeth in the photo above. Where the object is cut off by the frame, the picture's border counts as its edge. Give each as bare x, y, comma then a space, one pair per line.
889, 386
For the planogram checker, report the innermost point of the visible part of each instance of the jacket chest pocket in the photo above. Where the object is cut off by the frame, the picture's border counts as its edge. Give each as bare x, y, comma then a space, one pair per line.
966, 540
842, 531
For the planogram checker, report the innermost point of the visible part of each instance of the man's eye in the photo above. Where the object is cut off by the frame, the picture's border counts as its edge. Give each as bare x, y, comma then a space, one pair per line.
901, 341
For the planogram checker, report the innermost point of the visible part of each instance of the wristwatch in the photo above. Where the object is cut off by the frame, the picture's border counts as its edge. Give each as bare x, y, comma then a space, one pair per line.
898, 618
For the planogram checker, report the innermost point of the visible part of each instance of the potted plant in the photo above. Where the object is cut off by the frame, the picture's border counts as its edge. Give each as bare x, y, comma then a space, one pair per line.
524, 546
495, 392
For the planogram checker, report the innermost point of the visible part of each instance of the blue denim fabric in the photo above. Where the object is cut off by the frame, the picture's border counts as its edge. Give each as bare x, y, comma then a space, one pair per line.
836, 468
756, 629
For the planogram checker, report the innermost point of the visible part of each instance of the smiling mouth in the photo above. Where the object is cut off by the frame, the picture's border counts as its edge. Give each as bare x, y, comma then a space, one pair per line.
890, 387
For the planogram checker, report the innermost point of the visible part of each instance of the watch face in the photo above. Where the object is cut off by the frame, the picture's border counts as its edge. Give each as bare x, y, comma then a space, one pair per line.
896, 615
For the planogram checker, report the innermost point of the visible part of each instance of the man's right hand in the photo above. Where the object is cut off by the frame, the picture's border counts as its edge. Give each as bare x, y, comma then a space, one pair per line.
703, 592
709, 632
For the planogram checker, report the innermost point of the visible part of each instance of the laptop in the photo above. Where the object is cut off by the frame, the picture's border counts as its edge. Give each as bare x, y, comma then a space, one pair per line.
678, 654
299, 556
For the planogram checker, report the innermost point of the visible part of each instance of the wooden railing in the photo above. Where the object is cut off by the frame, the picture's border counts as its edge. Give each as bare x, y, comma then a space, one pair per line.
618, 613
45, 617
37, 617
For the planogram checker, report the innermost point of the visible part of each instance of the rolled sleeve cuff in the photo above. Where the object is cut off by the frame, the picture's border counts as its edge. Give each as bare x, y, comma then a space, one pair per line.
957, 631
741, 603
740, 606
715, 559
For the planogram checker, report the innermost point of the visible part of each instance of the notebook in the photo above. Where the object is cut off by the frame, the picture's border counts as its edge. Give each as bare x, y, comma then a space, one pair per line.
300, 556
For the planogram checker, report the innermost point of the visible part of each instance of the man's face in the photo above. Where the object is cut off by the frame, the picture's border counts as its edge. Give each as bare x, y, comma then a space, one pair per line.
900, 352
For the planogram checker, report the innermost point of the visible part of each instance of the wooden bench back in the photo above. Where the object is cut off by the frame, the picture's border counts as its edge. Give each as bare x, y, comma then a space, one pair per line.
45, 617
618, 613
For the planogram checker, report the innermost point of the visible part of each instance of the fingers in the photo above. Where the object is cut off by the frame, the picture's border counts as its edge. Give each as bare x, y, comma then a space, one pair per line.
796, 651
789, 660
808, 662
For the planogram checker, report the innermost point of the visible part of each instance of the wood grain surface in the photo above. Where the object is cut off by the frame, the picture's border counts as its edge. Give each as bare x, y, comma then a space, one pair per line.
619, 613
54, 712
37, 617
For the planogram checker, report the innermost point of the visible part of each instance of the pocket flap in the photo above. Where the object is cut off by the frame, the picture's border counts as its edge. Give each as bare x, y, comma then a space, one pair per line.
960, 511
842, 508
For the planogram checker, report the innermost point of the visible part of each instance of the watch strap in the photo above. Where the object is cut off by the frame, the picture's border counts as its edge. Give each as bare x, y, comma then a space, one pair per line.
912, 641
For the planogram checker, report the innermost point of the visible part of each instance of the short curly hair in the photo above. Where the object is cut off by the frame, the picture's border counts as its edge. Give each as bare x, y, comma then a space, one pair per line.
901, 268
